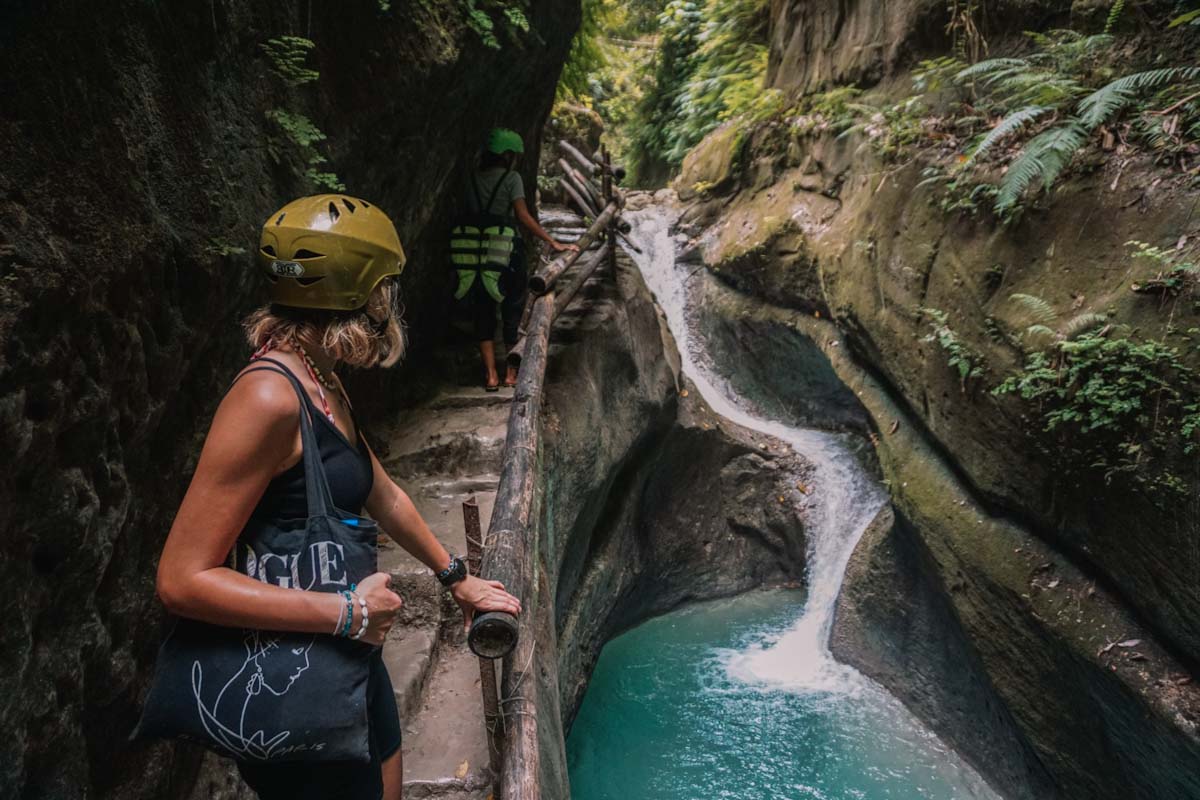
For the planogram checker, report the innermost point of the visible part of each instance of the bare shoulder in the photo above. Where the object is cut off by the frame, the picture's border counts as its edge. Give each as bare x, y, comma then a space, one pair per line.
263, 395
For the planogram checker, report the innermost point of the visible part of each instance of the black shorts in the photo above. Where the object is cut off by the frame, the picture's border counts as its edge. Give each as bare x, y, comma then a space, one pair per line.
338, 780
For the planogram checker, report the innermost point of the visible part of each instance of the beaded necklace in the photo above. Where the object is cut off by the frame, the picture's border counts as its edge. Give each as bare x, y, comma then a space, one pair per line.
311, 367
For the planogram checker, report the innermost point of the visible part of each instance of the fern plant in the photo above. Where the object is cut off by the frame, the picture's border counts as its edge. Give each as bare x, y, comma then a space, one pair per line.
288, 56
296, 137
1043, 325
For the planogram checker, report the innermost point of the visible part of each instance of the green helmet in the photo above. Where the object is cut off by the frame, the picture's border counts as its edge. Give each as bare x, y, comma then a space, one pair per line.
502, 140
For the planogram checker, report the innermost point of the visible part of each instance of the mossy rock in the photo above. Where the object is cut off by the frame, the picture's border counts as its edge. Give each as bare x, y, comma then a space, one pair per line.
712, 166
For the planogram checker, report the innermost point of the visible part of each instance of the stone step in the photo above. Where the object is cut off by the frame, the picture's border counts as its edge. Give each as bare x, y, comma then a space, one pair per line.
445, 744
449, 441
471, 397
444, 453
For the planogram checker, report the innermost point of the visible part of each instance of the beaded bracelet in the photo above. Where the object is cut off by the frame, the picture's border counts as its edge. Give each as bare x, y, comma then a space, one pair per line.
349, 612
365, 618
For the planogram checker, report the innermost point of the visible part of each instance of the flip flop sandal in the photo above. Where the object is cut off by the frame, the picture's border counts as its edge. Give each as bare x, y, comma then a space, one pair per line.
488, 388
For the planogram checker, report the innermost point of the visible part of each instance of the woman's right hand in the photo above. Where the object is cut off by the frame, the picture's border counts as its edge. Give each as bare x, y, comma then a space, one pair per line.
382, 607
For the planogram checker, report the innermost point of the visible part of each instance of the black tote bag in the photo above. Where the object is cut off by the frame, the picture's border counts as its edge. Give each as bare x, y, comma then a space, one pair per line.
269, 696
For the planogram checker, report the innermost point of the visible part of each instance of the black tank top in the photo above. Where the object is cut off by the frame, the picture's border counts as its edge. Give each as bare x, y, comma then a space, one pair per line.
347, 467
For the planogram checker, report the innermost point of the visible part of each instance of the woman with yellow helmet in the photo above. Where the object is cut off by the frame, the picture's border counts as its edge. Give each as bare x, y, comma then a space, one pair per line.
331, 263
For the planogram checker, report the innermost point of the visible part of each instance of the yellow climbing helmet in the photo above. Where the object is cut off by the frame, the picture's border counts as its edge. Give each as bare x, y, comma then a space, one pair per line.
328, 251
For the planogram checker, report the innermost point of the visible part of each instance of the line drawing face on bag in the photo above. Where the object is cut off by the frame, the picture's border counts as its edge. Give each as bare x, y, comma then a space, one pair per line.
322, 564
272, 667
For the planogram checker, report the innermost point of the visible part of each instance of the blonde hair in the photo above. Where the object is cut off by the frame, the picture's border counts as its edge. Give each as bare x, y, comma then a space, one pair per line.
372, 336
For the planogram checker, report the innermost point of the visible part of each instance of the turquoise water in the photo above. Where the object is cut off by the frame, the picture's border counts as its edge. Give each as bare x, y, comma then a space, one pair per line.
664, 718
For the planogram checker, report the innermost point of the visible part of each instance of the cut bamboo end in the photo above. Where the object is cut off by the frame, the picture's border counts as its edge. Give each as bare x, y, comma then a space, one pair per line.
493, 635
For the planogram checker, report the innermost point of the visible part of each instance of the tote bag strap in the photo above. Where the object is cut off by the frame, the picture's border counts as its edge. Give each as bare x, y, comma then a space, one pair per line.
316, 484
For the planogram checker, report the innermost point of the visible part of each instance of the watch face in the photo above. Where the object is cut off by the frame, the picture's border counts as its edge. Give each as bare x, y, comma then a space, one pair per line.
453, 573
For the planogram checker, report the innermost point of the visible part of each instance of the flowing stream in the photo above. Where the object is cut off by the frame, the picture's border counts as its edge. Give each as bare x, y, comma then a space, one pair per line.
741, 698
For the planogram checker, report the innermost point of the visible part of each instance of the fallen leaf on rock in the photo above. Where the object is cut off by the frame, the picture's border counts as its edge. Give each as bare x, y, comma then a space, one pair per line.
1184, 681
1106, 648
683, 392
461, 772
1129, 643
802, 487
1053, 584
895, 426
1137, 657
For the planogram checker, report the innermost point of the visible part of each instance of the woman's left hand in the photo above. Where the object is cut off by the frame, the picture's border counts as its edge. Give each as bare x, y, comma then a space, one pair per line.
473, 594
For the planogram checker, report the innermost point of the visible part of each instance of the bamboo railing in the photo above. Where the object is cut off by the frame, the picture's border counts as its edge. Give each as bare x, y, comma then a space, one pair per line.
509, 548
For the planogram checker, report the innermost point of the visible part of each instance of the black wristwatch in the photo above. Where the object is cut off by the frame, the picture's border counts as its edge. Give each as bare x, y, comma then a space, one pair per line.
454, 573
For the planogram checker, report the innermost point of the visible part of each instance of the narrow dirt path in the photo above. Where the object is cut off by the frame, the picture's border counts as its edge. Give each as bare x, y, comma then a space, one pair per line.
442, 454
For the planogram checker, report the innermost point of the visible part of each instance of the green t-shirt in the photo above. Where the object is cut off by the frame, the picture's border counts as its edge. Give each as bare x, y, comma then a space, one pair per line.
511, 190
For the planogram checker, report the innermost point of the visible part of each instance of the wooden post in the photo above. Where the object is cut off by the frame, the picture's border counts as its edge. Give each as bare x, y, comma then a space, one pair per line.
509, 555
610, 197
493, 718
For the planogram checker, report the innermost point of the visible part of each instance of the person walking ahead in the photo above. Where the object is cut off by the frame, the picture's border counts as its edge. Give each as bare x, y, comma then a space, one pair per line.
489, 253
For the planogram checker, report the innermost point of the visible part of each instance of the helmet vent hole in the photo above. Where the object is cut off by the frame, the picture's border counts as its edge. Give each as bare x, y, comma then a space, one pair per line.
303, 253
349, 206
280, 220
268, 250
365, 204
309, 281
333, 212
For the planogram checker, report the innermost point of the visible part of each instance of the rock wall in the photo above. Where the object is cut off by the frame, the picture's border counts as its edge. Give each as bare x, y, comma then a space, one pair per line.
1042, 679
819, 43
135, 174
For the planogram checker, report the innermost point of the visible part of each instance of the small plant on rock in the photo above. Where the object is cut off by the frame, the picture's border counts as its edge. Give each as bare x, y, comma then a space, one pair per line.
960, 356
1173, 276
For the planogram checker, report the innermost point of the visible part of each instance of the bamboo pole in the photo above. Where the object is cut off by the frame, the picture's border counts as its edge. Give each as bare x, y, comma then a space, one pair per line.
576, 178
573, 192
544, 280
508, 556
562, 298
610, 196
493, 719
520, 775
585, 163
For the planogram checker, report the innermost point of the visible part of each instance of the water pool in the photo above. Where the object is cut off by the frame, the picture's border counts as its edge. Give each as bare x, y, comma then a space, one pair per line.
668, 716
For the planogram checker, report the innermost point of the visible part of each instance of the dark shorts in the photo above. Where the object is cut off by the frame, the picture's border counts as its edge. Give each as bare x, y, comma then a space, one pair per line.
483, 308
338, 780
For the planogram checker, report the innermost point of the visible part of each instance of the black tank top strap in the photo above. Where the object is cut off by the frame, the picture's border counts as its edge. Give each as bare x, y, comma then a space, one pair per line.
318, 496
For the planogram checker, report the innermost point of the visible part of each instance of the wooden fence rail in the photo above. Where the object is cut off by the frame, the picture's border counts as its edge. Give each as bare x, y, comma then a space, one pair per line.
511, 543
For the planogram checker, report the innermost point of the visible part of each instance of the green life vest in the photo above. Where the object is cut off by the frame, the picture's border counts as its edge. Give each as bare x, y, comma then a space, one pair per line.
481, 244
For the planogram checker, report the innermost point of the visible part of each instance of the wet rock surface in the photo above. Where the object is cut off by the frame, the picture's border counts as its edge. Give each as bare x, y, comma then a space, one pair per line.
1039, 676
